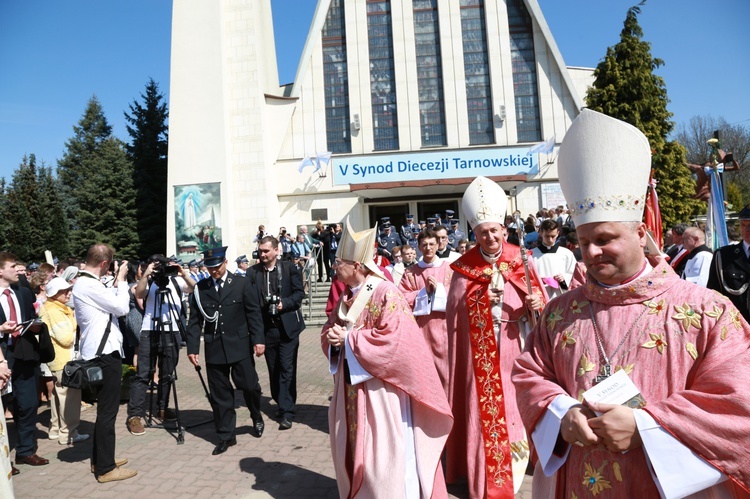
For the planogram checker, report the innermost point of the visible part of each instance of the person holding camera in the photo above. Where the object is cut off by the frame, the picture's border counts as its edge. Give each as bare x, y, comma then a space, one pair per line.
159, 336
96, 307
285, 241
226, 309
280, 286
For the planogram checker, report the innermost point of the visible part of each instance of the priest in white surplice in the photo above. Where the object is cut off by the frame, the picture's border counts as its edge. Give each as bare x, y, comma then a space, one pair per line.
554, 263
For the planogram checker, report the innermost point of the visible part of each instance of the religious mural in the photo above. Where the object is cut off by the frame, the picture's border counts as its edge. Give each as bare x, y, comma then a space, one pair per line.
197, 212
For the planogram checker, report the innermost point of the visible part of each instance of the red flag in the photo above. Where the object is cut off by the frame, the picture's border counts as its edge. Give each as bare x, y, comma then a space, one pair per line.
652, 213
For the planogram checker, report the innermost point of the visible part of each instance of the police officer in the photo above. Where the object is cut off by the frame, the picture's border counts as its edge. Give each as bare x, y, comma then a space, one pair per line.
406, 229
454, 235
387, 241
414, 243
242, 264
432, 223
449, 214
730, 268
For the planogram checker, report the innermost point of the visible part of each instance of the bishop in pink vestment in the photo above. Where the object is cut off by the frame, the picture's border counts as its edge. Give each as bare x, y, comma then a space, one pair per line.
400, 413
467, 446
685, 348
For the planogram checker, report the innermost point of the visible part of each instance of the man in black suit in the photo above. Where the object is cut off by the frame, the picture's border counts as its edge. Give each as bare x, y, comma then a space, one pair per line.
22, 354
279, 284
227, 308
730, 268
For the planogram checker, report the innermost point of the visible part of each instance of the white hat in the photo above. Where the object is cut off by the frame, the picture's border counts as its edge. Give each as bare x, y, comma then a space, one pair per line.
55, 285
358, 247
603, 166
484, 201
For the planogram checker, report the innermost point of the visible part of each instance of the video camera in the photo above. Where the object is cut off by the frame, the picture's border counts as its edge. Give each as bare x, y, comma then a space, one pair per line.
164, 269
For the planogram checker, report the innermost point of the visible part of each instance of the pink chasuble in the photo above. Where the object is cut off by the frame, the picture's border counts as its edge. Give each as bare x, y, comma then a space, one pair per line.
487, 424
433, 326
388, 344
684, 347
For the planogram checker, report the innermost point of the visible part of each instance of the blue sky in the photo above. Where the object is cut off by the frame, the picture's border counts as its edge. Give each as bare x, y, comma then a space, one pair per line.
55, 55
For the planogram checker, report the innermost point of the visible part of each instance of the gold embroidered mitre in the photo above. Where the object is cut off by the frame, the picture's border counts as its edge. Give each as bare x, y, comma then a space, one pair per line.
484, 201
359, 247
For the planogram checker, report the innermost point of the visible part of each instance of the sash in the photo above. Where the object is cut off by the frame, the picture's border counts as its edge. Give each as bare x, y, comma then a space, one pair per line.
497, 448
350, 315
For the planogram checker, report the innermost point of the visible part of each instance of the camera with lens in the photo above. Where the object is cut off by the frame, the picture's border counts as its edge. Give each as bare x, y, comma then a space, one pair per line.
163, 270
271, 301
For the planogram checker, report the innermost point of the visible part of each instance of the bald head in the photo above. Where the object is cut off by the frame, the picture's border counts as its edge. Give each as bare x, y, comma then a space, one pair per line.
692, 238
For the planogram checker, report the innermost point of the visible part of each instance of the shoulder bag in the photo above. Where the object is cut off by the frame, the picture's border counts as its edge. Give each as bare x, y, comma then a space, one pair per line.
82, 373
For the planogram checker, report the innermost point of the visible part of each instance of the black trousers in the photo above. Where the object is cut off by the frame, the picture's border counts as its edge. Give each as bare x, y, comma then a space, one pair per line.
25, 381
107, 405
222, 392
281, 359
153, 350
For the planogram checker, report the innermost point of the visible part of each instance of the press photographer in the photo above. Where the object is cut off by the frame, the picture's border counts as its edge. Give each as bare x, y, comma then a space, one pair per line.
279, 283
161, 287
101, 340
285, 241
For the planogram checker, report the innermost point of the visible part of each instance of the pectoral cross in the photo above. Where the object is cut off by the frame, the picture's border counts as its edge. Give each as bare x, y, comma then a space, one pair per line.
606, 373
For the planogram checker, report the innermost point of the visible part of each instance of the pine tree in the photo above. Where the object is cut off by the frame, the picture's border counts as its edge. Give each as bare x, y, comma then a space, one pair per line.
23, 215
54, 225
97, 185
625, 87
148, 153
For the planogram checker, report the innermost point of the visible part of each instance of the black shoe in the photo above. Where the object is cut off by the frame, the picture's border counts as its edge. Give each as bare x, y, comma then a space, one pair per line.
285, 424
259, 426
224, 445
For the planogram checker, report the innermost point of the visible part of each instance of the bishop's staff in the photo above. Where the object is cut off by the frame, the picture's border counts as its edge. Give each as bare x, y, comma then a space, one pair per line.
525, 260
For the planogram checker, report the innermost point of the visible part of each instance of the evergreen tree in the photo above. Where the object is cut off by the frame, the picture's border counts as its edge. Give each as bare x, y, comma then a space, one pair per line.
54, 224
97, 185
625, 87
148, 153
23, 214
3, 227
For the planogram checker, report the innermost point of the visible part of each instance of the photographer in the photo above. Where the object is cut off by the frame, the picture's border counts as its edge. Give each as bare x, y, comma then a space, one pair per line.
279, 284
161, 274
285, 241
95, 308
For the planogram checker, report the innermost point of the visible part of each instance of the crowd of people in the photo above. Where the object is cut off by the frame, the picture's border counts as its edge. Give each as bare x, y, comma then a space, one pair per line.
455, 358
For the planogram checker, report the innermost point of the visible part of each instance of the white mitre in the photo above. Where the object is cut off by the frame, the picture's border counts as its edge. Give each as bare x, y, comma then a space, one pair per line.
484, 201
359, 247
603, 167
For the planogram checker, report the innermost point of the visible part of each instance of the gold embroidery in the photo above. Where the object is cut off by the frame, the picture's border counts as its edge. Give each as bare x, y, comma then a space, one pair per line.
691, 350
724, 331
594, 480
567, 339
734, 316
627, 368
577, 307
554, 318
618, 472
657, 341
715, 313
655, 306
585, 366
687, 316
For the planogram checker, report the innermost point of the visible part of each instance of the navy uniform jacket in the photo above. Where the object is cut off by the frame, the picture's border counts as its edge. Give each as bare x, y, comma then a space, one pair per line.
387, 243
406, 233
732, 279
239, 326
292, 293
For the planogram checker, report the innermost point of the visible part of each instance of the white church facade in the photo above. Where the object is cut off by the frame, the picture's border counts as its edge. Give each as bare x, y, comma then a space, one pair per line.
396, 106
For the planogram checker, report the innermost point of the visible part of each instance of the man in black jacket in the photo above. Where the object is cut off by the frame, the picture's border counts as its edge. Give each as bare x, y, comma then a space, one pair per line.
22, 354
279, 284
730, 268
227, 308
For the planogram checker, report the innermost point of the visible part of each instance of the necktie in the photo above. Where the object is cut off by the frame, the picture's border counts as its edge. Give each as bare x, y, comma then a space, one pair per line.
218, 287
12, 316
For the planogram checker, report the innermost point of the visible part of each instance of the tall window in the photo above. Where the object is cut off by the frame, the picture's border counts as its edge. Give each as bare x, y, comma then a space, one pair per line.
429, 73
382, 75
524, 72
336, 80
477, 69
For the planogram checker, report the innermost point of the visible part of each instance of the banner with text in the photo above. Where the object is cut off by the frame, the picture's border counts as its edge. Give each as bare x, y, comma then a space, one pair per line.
435, 165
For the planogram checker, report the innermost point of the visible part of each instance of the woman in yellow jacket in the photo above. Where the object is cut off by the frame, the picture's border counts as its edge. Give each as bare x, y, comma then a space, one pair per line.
66, 402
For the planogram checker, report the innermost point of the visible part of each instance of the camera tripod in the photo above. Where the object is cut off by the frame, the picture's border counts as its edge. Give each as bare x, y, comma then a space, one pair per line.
164, 347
